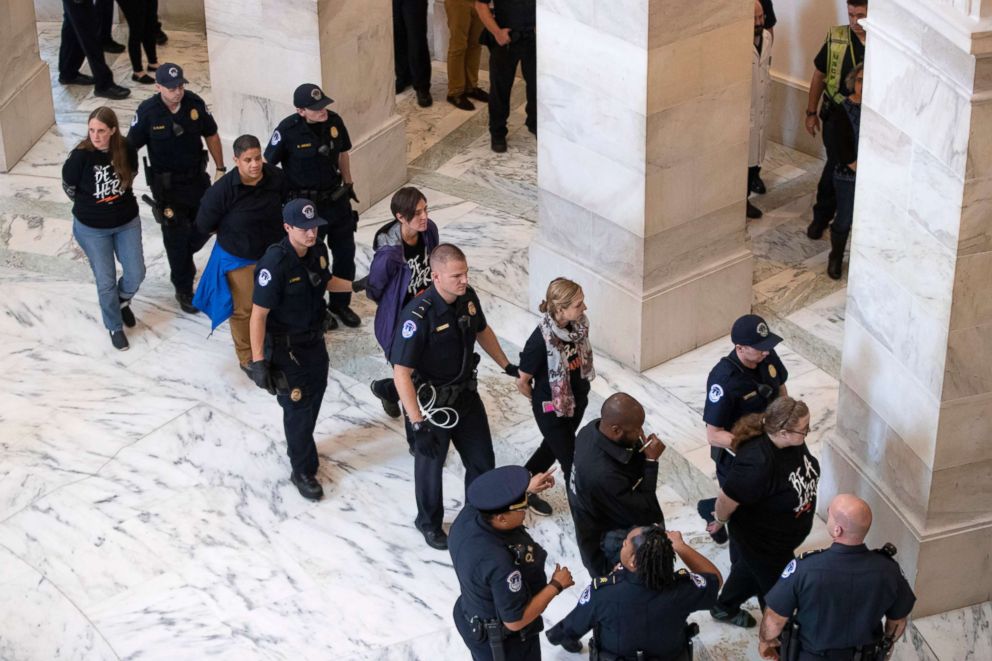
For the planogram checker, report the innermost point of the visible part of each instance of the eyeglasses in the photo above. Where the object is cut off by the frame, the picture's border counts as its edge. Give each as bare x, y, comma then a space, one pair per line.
804, 434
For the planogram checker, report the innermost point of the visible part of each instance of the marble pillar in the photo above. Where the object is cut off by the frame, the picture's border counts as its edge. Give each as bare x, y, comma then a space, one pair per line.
261, 50
642, 161
26, 110
914, 420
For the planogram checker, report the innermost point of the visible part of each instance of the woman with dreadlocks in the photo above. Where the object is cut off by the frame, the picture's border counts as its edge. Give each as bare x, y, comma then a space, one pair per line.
642, 606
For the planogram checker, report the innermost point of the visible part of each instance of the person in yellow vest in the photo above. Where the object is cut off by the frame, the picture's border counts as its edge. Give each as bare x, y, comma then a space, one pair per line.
843, 49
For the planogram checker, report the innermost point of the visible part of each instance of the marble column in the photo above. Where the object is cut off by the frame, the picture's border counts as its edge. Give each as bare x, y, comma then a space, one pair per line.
26, 110
261, 50
642, 161
914, 420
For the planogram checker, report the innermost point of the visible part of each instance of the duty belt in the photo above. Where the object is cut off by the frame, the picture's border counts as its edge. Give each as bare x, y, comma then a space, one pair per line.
320, 195
290, 340
449, 393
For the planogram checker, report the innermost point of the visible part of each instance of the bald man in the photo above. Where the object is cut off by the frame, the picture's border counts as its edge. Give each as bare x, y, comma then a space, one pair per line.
839, 595
614, 477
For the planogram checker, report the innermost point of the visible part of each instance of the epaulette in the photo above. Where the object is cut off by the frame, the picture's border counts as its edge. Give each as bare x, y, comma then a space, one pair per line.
422, 308
603, 581
806, 554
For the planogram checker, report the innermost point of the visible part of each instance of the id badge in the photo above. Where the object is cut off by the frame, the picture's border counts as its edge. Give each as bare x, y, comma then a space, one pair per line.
548, 407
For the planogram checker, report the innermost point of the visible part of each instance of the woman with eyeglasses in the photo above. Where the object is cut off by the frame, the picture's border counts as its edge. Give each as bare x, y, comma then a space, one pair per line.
767, 501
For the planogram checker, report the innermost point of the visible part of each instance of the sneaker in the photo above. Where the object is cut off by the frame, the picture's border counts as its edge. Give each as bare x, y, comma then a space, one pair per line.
391, 408
307, 485
741, 618
538, 505
119, 340
186, 303
498, 145
113, 91
127, 316
436, 539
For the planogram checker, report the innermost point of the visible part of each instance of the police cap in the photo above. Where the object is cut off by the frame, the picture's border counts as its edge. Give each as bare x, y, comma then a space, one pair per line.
170, 75
502, 489
311, 97
302, 213
752, 331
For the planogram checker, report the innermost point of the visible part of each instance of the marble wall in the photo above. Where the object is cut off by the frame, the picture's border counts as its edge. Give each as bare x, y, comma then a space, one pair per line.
643, 123
336, 42
915, 406
26, 110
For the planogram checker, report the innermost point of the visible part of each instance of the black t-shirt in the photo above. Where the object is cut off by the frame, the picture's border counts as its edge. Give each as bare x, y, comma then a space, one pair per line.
854, 55
534, 360
98, 197
420, 268
776, 489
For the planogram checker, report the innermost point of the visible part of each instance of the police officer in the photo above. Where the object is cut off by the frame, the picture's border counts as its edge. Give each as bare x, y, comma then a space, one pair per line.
511, 40
639, 611
614, 478
312, 145
174, 124
843, 49
838, 596
434, 373
744, 381
500, 568
287, 319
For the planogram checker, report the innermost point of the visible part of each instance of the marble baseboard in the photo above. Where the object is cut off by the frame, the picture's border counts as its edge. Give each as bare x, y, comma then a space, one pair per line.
378, 164
25, 115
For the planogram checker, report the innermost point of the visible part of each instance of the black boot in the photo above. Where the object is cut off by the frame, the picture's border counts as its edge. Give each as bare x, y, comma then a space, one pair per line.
835, 261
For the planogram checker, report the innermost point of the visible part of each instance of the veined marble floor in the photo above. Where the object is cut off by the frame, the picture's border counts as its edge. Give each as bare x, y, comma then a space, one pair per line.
145, 507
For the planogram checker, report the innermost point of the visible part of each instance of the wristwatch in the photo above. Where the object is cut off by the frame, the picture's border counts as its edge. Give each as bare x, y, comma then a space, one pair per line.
811, 113
221, 169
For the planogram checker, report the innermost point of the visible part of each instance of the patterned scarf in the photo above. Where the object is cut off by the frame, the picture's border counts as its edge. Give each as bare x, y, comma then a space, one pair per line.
555, 339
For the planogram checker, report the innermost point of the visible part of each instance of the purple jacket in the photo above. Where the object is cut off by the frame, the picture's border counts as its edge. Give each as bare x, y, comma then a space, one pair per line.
389, 276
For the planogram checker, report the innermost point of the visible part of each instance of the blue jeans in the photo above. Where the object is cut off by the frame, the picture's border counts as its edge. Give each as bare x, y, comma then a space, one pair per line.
100, 246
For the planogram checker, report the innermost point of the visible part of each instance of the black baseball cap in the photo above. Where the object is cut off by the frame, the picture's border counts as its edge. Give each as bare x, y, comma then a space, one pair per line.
752, 331
302, 213
170, 75
311, 97
502, 489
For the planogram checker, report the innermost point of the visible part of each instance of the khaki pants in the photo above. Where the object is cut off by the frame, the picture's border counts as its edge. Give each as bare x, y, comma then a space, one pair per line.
242, 284
464, 49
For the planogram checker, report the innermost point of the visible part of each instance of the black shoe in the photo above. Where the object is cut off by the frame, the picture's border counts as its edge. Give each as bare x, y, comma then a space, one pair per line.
835, 260
478, 94
741, 618
152, 68
347, 315
127, 316
142, 78
436, 539
461, 102
113, 91
391, 408
186, 303
498, 145
247, 371
78, 79
753, 212
401, 86
424, 99
111, 46
758, 186
161, 38
307, 485
330, 323
119, 340
538, 505
816, 229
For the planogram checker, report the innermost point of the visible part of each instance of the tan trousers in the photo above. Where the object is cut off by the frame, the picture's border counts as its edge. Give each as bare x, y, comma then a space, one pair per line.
242, 284
464, 49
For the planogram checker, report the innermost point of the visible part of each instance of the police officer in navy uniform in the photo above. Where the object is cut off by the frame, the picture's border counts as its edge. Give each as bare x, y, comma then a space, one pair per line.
312, 145
289, 358
500, 568
434, 372
744, 381
639, 610
174, 124
837, 597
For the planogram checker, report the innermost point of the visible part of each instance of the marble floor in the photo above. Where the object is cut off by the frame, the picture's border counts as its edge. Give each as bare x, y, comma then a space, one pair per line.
145, 507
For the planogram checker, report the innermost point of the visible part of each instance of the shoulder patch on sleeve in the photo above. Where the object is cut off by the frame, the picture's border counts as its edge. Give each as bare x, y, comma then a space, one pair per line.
134, 120
790, 569
409, 328
716, 393
276, 137
698, 581
264, 277
515, 581
586, 595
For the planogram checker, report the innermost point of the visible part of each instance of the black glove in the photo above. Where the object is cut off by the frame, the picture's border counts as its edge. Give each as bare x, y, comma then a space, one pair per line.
360, 284
512, 370
261, 374
351, 193
425, 440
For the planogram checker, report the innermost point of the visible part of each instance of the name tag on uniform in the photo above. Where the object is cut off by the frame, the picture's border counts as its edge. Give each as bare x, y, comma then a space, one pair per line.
296, 279
160, 127
441, 328
305, 145
753, 393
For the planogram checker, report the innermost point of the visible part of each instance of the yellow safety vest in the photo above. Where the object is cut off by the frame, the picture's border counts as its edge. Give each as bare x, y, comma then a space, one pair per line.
839, 41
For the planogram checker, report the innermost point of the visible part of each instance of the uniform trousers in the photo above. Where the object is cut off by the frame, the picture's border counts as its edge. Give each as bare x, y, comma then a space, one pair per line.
826, 198
141, 31
412, 58
241, 282
340, 236
101, 246
81, 40
181, 238
559, 439
751, 575
305, 366
474, 443
464, 49
514, 649
844, 192
503, 62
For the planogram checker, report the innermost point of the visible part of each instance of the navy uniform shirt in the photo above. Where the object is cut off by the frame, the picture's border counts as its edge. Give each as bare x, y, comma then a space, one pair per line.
247, 219
432, 337
292, 287
498, 571
839, 596
174, 139
297, 145
629, 617
515, 14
